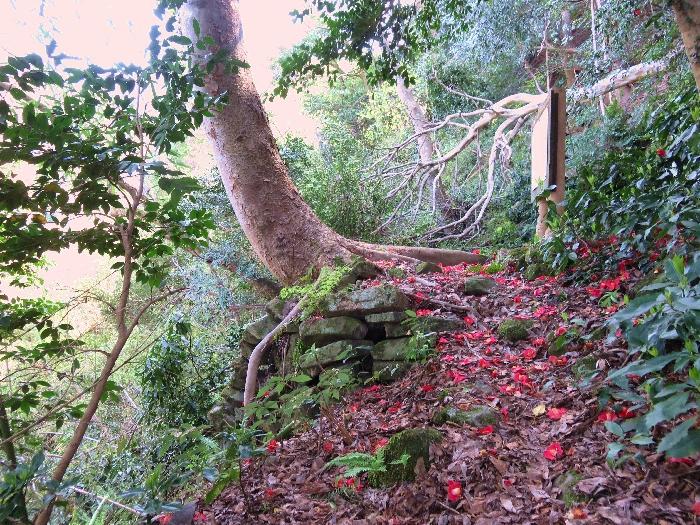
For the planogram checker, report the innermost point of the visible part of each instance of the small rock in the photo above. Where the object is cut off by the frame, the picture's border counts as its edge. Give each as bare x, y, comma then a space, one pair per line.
478, 285
415, 442
429, 324
427, 267
514, 329
478, 416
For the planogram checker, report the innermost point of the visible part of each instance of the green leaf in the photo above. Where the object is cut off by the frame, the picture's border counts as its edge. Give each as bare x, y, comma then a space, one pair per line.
687, 447
669, 409
614, 428
674, 437
195, 26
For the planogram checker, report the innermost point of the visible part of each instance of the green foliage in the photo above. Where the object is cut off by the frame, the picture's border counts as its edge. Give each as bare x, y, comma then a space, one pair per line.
181, 378
358, 462
663, 329
315, 293
648, 200
355, 30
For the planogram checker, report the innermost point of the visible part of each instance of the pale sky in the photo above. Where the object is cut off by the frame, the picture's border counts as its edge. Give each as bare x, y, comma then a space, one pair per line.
106, 32
109, 31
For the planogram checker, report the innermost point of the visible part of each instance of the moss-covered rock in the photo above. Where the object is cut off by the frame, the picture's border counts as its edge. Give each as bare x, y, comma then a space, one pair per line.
567, 482
324, 331
367, 301
313, 361
478, 416
514, 329
427, 267
430, 324
396, 272
394, 330
386, 317
535, 270
478, 285
584, 367
415, 443
392, 349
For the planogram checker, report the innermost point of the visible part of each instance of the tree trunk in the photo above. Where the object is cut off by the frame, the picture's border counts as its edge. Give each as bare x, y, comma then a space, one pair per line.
426, 147
687, 14
285, 233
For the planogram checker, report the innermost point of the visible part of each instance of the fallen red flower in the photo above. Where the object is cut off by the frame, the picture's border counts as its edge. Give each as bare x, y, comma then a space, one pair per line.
626, 413
273, 445
454, 490
529, 353
381, 442
561, 331
485, 431
423, 312
696, 508
607, 415
393, 409
661, 152
553, 451
427, 388
539, 342
517, 299
469, 321
558, 361
504, 413
457, 377
327, 447
556, 413
199, 516
685, 461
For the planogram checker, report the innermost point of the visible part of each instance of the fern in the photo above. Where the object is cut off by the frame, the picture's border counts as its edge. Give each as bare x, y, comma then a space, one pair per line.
358, 462
315, 293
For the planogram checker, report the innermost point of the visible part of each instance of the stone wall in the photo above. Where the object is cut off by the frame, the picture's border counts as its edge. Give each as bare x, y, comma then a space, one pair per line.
363, 328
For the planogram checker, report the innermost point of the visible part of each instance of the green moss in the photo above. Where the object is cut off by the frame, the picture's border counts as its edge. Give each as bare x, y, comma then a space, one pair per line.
535, 270
514, 329
494, 267
479, 416
397, 273
584, 367
567, 482
478, 285
415, 443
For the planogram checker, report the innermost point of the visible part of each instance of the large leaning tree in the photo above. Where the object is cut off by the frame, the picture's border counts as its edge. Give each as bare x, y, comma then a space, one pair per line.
283, 230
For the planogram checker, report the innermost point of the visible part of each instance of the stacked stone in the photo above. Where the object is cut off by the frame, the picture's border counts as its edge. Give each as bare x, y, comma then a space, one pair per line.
363, 329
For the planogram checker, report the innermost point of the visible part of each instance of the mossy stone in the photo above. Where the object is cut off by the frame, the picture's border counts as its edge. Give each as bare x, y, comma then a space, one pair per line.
478, 285
324, 331
393, 330
386, 317
567, 482
479, 416
427, 267
396, 272
431, 324
514, 329
584, 367
414, 442
366, 301
313, 362
535, 270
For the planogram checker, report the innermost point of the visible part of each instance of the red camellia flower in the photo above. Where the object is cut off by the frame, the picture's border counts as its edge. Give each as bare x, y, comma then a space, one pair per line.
327, 447
393, 409
556, 413
200, 516
507, 482
626, 413
684, 461
517, 299
269, 493
457, 377
558, 361
554, 451
696, 508
529, 353
637, 12
661, 152
454, 490
607, 415
427, 388
504, 413
273, 445
165, 519
476, 251
539, 342
469, 321
561, 331
485, 431
423, 312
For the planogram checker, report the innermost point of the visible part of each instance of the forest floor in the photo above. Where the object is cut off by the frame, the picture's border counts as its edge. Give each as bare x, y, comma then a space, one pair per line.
543, 462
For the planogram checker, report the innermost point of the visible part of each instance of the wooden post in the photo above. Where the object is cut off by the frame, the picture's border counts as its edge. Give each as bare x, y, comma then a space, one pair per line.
548, 154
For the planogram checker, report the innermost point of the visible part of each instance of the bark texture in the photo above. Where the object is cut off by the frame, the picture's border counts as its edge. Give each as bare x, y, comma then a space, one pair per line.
687, 13
285, 233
